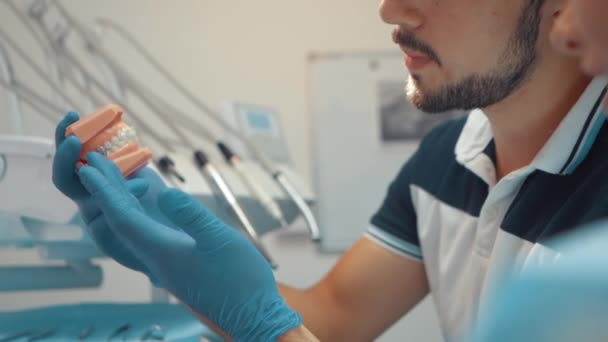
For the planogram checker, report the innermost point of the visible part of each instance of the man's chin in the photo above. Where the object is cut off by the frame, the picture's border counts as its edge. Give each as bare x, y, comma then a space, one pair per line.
414, 94
422, 104
415, 100
420, 100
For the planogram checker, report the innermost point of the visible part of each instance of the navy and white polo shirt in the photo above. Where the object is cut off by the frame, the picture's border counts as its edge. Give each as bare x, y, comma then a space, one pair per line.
446, 209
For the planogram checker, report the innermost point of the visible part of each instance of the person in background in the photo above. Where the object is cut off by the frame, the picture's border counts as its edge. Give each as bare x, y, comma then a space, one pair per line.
564, 299
582, 31
480, 198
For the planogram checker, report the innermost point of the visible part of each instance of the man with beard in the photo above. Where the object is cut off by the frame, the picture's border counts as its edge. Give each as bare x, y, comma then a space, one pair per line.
477, 200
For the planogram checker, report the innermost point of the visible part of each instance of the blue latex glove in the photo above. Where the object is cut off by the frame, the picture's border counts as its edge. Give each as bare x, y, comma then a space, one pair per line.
145, 186
208, 265
559, 302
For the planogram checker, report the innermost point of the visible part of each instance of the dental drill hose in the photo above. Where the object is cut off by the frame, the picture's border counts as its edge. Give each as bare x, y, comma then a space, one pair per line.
220, 184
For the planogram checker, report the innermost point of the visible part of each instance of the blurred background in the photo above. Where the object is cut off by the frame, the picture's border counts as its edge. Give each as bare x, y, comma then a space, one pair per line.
326, 73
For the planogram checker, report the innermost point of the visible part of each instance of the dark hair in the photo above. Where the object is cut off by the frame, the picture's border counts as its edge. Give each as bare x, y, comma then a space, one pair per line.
481, 90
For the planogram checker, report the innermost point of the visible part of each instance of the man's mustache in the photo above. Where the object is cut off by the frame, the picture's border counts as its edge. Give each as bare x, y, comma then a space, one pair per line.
408, 39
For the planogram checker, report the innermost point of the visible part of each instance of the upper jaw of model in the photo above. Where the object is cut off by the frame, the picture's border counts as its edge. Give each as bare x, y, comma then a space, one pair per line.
105, 132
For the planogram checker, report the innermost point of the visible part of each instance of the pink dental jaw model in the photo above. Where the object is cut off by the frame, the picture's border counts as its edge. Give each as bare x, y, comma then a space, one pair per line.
105, 132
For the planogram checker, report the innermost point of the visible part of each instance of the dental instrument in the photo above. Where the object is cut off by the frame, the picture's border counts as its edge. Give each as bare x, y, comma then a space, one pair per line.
222, 187
233, 160
121, 330
166, 165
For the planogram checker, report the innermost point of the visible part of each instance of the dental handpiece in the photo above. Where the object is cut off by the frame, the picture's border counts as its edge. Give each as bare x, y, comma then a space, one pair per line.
309, 217
166, 165
224, 190
254, 187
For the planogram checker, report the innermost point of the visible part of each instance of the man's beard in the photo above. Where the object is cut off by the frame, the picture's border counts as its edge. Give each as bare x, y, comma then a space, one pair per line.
479, 91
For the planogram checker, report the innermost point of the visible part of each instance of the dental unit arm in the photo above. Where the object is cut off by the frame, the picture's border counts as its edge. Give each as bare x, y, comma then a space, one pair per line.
228, 195
282, 179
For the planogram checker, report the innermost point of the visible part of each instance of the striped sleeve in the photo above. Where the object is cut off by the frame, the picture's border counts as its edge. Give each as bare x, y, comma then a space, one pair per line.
394, 226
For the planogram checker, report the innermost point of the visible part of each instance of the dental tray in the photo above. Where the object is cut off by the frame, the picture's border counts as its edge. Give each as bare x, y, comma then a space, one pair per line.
105, 322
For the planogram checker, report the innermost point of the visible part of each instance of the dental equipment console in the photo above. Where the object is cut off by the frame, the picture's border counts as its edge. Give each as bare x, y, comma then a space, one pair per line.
280, 177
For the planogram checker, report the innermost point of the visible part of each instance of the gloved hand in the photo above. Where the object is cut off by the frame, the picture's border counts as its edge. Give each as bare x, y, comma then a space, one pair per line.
145, 185
208, 265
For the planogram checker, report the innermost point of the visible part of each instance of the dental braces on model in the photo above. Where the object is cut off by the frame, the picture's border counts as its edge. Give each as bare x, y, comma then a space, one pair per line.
124, 137
105, 132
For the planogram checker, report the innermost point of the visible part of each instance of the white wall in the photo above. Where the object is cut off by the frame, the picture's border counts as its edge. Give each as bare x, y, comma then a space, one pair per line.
249, 50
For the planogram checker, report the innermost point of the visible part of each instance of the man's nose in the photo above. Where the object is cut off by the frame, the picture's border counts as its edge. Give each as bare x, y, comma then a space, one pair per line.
402, 13
565, 36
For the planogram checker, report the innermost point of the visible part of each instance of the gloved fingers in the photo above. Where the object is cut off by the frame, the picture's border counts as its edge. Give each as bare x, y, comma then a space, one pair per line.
110, 245
90, 210
64, 164
150, 175
126, 218
188, 214
107, 167
112, 199
67, 120
138, 187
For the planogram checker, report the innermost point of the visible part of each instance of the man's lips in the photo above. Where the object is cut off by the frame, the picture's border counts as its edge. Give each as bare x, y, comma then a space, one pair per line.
414, 63
415, 60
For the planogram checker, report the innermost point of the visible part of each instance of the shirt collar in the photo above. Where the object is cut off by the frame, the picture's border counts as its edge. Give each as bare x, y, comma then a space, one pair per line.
566, 148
